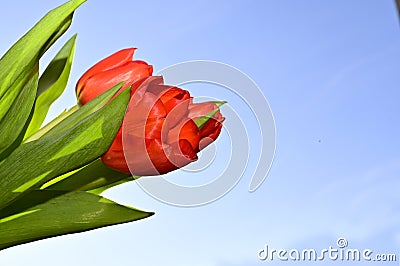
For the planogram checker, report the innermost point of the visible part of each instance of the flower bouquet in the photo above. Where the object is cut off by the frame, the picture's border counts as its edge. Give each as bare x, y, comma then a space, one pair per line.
126, 124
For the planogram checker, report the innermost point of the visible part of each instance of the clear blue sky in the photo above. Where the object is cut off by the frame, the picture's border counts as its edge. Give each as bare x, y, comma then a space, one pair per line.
330, 71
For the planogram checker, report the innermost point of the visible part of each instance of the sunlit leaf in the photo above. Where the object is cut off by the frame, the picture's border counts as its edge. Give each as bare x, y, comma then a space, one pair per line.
36, 162
52, 84
15, 119
45, 213
70, 118
17, 64
92, 176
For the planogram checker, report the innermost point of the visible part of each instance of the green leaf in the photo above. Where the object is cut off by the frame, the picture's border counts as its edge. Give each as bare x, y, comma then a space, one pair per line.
101, 189
42, 214
73, 116
52, 84
36, 162
92, 176
17, 64
15, 119
18, 141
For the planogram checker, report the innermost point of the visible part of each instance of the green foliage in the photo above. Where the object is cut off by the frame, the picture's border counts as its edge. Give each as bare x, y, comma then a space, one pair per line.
14, 121
93, 176
17, 64
47, 213
52, 84
34, 163
45, 173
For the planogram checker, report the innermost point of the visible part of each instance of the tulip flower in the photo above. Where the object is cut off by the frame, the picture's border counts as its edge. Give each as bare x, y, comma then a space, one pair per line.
109, 72
163, 129
159, 133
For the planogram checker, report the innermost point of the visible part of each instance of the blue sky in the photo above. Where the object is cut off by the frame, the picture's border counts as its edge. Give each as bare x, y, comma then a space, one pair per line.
329, 70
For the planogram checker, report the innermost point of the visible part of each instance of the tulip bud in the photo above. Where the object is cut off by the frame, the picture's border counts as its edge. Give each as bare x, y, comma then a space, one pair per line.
110, 71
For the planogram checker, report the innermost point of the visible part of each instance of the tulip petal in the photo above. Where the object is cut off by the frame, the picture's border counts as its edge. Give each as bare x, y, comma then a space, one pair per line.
115, 60
209, 132
186, 149
182, 154
99, 83
140, 155
197, 110
200, 113
174, 96
114, 157
186, 130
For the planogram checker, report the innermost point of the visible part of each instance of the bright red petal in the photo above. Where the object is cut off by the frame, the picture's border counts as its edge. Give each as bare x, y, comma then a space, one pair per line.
103, 81
186, 130
173, 97
115, 60
114, 157
209, 132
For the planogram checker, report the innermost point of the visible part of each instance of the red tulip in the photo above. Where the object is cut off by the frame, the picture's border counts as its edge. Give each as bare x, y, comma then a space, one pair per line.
159, 134
109, 72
